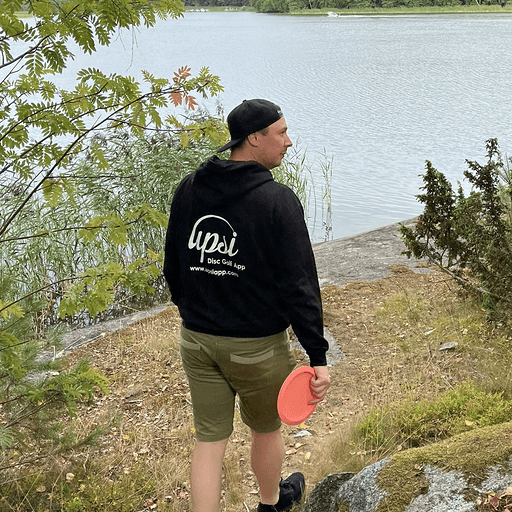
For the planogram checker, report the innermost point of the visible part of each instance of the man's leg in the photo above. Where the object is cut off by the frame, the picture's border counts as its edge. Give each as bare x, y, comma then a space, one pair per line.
267, 456
206, 475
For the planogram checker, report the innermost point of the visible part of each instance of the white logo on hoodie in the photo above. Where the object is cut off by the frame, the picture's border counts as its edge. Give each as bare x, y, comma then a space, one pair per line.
211, 242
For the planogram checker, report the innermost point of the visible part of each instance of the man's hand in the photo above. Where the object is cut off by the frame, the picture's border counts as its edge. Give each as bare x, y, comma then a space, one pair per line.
320, 384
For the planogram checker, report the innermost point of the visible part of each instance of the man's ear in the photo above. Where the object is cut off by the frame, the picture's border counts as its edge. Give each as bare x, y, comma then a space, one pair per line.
253, 139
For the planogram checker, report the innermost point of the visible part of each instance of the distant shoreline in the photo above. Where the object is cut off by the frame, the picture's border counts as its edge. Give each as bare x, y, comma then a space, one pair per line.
469, 9
378, 11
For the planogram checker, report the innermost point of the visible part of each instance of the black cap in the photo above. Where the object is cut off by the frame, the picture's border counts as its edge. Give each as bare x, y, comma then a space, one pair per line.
249, 117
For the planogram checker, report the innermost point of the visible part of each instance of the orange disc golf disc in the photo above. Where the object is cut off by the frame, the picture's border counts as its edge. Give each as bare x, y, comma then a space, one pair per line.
293, 401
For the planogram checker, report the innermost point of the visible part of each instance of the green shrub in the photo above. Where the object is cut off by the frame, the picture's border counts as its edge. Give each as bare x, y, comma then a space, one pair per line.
470, 237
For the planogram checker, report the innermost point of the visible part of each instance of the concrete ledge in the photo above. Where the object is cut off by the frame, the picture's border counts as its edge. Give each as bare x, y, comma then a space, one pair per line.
365, 256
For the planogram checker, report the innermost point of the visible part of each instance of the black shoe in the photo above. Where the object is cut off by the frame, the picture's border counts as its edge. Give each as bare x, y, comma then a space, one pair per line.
290, 492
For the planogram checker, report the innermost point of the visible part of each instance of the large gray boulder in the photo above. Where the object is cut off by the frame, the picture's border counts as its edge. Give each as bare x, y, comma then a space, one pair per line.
448, 476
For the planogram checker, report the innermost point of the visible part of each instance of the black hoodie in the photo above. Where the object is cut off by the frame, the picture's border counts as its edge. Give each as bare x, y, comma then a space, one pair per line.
238, 258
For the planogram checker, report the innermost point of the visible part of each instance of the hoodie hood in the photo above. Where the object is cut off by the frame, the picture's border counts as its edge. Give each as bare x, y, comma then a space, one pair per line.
219, 182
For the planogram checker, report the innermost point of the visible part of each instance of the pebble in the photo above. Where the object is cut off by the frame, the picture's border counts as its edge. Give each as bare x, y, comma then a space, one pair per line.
302, 433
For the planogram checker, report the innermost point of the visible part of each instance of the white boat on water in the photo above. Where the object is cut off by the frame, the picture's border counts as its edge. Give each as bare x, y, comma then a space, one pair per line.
331, 14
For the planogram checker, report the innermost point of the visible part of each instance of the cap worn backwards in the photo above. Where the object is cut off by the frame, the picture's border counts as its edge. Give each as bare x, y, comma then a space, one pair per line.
249, 117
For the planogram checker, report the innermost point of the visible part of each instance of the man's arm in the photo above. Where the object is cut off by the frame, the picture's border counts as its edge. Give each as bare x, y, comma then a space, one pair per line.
298, 279
171, 268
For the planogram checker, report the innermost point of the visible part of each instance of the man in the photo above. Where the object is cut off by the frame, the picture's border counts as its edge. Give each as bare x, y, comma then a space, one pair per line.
240, 268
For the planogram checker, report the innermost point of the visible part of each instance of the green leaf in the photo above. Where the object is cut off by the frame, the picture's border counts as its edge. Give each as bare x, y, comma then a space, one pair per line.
52, 191
91, 230
14, 310
42, 9
97, 217
184, 139
10, 360
6, 437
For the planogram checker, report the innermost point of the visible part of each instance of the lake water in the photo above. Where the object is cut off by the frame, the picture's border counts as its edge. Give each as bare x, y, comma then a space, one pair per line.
378, 95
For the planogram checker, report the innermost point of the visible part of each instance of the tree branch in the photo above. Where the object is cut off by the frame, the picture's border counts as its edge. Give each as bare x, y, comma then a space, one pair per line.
58, 282
74, 228
37, 291
461, 280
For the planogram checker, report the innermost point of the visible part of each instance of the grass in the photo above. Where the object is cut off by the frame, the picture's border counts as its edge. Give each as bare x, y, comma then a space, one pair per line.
389, 393
417, 422
297, 172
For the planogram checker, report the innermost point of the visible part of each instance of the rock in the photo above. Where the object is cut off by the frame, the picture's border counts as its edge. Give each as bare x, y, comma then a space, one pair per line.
445, 493
447, 476
321, 498
361, 493
302, 433
449, 345
367, 256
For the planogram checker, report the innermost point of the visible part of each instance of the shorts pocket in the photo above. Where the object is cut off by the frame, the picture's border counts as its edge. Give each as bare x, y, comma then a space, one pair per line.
252, 360
189, 345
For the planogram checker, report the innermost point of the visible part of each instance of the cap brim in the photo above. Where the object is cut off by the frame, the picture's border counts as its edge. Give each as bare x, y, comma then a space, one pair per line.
230, 144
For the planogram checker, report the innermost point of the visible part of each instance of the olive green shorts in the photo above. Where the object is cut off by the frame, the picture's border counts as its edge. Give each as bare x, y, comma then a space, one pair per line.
218, 368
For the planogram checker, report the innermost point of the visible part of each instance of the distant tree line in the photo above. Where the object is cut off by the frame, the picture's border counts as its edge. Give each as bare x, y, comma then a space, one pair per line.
294, 5
297, 5
217, 3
